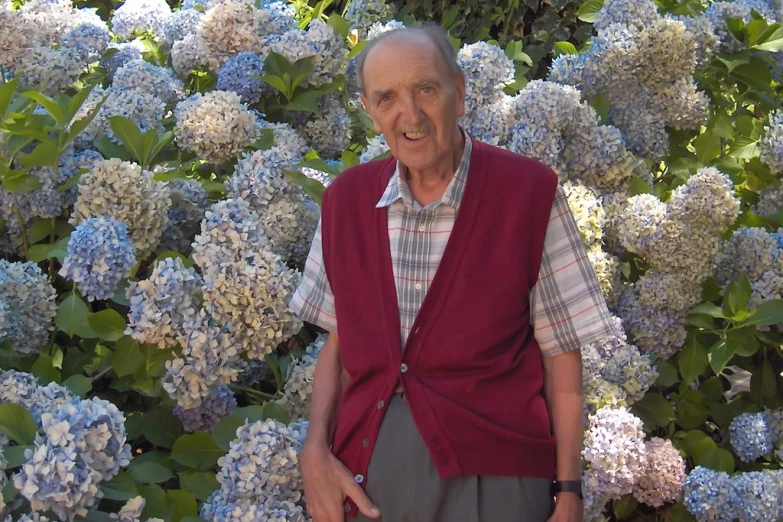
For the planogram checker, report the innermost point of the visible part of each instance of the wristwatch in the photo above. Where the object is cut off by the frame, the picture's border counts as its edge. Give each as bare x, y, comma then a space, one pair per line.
573, 486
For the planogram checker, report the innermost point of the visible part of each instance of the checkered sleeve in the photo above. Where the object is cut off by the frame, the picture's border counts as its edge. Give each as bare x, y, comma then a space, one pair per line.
313, 301
568, 309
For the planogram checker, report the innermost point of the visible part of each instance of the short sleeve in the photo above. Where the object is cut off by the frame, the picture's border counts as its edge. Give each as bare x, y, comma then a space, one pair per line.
568, 309
313, 301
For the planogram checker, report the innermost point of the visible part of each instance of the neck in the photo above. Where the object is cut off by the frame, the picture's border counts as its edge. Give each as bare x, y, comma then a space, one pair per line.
440, 174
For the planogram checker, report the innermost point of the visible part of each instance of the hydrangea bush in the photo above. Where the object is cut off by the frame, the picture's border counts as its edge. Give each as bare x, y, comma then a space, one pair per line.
161, 175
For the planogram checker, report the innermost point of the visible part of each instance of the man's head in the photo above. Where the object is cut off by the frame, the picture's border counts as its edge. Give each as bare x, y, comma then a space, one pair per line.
413, 89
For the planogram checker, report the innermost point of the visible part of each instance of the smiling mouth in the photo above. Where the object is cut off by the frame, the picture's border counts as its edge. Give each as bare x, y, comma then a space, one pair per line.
415, 136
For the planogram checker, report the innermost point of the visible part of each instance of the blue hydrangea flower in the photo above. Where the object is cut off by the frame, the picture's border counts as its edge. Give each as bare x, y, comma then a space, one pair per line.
751, 435
140, 15
180, 24
216, 406
29, 305
89, 40
125, 52
756, 496
100, 254
241, 74
709, 495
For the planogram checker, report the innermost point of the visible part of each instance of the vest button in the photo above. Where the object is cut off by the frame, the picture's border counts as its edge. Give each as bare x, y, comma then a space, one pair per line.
366, 442
403, 367
347, 507
359, 479
381, 404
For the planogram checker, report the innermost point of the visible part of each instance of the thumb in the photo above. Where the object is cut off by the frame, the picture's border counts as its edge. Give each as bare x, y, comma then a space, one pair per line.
363, 502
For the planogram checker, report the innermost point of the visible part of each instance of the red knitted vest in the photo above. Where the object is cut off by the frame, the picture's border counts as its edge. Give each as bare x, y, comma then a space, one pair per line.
471, 369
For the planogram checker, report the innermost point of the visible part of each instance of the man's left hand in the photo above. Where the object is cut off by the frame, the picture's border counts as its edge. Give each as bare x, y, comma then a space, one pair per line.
568, 508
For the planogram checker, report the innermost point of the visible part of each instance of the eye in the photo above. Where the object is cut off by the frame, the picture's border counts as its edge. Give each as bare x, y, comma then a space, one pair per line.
427, 90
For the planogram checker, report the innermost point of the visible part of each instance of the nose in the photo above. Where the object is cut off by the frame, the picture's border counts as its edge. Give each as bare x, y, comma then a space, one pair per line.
410, 110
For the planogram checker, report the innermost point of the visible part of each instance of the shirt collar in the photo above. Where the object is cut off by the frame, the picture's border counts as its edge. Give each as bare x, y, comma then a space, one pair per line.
397, 188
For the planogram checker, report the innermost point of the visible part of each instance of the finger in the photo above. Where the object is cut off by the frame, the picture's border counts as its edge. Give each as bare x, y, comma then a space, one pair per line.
363, 502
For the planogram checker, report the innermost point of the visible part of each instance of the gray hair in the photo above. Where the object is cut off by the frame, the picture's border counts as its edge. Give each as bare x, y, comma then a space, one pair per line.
435, 33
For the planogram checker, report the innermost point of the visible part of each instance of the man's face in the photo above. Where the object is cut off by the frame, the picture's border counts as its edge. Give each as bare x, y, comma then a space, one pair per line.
414, 100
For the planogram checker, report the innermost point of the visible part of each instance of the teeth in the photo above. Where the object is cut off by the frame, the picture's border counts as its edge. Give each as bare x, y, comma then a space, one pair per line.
415, 135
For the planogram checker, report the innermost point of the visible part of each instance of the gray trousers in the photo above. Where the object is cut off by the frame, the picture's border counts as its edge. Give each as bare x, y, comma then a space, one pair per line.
403, 482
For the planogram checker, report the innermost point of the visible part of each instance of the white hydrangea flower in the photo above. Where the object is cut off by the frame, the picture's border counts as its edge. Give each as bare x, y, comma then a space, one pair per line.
123, 191
614, 447
140, 15
665, 472
142, 75
24, 390
141, 106
321, 42
363, 14
298, 386
215, 126
375, 148
160, 305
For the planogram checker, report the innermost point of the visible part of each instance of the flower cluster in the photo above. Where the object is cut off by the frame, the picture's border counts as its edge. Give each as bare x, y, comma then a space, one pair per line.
363, 14
261, 468
213, 408
285, 216
330, 132
648, 94
299, 383
711, 495
131, 511
188, 202
100, 254
654, 309
142, 75
321, 42
241, 74
661, 482
29, 307
140, 16
81, 445
124, 191
376, 147
160, 304
752, 435
23, 389
771, 144
215, 126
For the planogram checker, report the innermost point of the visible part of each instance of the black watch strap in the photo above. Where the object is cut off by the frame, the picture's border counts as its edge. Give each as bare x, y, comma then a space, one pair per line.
573, 486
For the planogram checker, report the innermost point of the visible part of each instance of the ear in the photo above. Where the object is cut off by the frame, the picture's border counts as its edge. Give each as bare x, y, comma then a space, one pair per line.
460, 87
370, 113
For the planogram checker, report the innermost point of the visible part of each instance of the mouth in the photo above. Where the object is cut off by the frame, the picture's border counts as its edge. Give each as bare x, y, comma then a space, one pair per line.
415, 136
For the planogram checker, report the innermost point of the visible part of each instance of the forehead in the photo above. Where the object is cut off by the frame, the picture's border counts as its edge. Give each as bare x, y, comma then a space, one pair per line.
403, 60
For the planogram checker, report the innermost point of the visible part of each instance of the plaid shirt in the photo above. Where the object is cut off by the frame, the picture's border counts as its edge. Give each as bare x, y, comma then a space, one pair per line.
567, 307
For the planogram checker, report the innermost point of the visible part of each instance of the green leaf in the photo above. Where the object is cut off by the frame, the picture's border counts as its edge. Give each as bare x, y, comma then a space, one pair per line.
707, 147
743, 340
708, 309
768, 313
756, 74
624, 507
97, 516
44, 369
697, 444
763, 385
155, 506
691, 414
201, 483
737, 296
164, 140
225, 430
198, 450
339, 24
14, 455
305, 102
272, 410
712, 389
654, 410
639, 186
71, 314
348, 160
277, 82
719, 355
148, 141
449, 16
692, 359
79, 125
127, 357
21, 183
181, 504
78, 384
45, 154
667, 375
6, 94
129, 135
108, 324
771, 40
17, 423
109, 149
312, 187
73, 180
718, 459
161, 427
744, 148
149, 472
121, 487
588, 10
564, 47
49, 104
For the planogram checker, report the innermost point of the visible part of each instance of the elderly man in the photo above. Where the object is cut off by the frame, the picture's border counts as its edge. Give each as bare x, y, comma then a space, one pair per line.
457, 293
